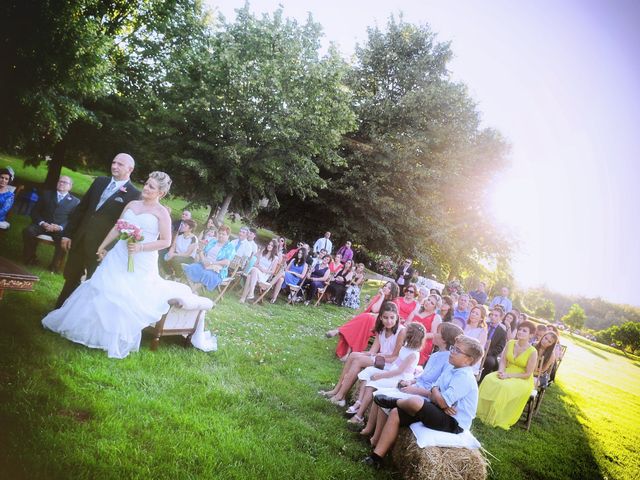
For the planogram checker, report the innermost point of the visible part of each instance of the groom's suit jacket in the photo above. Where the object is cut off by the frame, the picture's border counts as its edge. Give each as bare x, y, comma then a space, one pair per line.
87, 226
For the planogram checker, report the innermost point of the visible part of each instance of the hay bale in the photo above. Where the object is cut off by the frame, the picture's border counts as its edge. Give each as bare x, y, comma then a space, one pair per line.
441, 463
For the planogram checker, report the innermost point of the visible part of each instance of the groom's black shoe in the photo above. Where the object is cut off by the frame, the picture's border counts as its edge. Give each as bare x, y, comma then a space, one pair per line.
385, 401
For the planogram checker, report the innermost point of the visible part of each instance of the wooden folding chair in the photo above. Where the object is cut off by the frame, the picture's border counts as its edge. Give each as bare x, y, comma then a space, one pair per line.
321, 292
235, 267
535, 399
265, 287
294, 293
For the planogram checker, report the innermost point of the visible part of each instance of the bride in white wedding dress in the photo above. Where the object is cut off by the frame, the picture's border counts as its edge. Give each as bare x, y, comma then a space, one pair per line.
109, 310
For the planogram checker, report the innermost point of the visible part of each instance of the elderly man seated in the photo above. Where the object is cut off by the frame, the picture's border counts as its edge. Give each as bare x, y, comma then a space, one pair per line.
50, 217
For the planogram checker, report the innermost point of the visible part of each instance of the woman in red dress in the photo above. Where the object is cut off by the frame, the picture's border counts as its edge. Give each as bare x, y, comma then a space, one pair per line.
355, 334
408, 303
427, 316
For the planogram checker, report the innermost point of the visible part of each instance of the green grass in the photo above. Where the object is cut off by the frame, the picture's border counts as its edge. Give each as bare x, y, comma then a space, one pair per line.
250, 410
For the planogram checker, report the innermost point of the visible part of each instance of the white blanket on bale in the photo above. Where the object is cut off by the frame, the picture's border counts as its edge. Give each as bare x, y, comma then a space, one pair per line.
426, 437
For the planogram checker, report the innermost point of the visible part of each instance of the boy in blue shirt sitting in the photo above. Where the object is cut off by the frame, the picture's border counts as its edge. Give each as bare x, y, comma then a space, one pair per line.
450, 406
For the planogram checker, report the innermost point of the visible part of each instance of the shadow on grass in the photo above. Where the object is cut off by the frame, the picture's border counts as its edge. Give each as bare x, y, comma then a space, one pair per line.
555, 447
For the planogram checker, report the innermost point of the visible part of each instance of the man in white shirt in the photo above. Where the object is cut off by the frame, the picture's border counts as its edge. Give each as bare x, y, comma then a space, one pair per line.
251, 241
241, 244
503, 300
323, 243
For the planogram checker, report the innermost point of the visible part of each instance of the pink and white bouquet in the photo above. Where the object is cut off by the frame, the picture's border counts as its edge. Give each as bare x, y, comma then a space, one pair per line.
132, 234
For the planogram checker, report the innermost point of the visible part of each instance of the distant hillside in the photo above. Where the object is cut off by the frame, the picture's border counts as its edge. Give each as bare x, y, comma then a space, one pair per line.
600, 313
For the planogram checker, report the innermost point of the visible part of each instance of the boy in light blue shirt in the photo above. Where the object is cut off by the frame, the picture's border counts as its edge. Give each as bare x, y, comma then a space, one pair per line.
450, 407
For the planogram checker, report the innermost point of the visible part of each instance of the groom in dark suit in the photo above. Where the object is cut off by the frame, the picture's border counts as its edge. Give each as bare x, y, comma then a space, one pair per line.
50, 217
96, 214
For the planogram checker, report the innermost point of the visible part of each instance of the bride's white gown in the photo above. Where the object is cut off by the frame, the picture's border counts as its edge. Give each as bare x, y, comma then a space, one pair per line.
109, 310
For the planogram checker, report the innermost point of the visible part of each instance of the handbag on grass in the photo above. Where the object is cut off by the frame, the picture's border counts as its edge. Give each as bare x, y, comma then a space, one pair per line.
379, 362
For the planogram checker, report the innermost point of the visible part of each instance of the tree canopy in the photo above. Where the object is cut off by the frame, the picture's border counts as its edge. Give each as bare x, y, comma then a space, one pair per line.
416, 170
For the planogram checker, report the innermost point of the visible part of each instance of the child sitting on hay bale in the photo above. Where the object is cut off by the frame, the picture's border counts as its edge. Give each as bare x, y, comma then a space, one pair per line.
451, 405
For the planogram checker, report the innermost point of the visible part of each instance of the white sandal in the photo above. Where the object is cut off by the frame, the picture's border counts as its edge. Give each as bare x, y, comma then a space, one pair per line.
354, 408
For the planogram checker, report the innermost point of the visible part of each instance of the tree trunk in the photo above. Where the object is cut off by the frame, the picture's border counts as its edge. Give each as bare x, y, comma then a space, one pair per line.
223, 209
55, 165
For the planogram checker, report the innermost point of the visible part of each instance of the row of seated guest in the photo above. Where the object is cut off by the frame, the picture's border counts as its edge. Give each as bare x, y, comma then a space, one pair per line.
212, 262
402, 368
355, 334
49, 217
429, 399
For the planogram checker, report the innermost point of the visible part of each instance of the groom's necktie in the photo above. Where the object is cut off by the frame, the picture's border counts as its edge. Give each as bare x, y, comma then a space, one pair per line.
106, 194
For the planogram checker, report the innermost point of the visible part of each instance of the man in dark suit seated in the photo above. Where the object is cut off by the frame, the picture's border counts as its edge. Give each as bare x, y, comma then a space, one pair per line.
496, 341
50, 217
95, 216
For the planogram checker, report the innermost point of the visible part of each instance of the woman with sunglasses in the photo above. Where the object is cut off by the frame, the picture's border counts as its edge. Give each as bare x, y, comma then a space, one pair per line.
407, 303
355, 334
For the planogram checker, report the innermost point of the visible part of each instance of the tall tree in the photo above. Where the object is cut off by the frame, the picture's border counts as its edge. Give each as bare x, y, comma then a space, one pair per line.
55, 61
415, 171
575, 317
256, 112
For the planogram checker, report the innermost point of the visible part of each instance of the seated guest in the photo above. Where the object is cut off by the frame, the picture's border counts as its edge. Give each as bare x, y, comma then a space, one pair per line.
213, 262
352, 295
389, 338
210, 232
444, 339
450, 406
477, 328
355, 334
341, 280
345, 252
262, 271
446, 309
402, 368
295, 272
407, 303
540, 331
323, 243
7, 197
317, 278
502, 299
50, 217
504, 394
292, 253
177, 225
461, 312
480, 294
510, 322
496, 340
316, 260
336, 264
241, 244
426, 314
183, 249
282, 246
546, 358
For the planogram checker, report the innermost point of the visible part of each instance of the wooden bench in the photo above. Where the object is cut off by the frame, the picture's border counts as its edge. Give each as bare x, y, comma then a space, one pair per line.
14, 277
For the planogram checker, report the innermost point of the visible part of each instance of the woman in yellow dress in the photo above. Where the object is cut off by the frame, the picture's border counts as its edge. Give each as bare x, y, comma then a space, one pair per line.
504, 394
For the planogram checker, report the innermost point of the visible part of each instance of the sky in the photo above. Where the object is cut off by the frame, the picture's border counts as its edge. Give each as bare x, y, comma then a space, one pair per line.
561, 81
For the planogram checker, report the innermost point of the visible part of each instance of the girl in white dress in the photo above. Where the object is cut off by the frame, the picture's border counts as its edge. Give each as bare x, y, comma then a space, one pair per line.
401, 369
477, 328
109, 310
389, 339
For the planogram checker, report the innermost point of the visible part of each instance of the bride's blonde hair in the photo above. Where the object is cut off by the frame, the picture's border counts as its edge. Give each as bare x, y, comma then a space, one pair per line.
164, 181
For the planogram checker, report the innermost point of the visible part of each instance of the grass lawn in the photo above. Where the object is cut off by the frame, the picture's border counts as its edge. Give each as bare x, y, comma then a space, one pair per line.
251, 410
